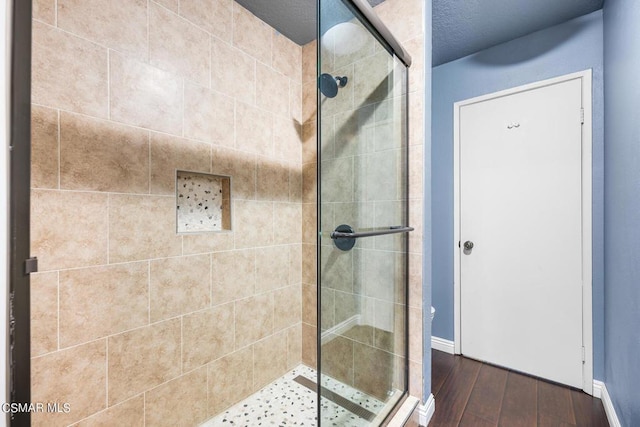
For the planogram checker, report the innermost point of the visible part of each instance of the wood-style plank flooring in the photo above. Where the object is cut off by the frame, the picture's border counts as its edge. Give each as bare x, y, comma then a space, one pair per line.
471, 393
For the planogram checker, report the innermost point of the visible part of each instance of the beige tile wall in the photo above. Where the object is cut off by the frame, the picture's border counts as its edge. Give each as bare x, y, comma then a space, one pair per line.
404, 18
133, 324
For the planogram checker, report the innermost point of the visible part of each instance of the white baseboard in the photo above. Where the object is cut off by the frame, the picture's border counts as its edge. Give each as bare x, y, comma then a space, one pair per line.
442, 345
600, 390
597, 388
427, 410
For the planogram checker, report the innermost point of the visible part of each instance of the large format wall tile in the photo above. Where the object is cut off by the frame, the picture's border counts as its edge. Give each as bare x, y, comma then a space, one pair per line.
309, 304
372, 374
131, 410
242, 169
209, 116
287, 224
145, 96
142, 359
68, 72
68, 229
252, 35
178, 46
295, 101
44, 313
169, 4
309, 262
338, 359
55, 378
272, 181
254, 319
294, 346
269, 359
230, 380
45, 11
287, 139
233, 275
44, 147
102, 156
309, 62
117, 24
309, 345
272, 90
179, 286
403, 18
180, 402
253, 223
288, 306
287, 57
254, 129
100, 301
142, 227
207, 242
172, 88
215, 16
169, 154
295, 263
232, 71
207, 335
272, 268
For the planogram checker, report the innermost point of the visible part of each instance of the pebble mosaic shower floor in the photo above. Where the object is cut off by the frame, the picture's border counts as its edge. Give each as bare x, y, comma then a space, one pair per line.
285, 402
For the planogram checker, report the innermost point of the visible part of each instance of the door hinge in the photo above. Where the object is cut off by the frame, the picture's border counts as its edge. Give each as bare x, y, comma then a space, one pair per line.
582, 116
31, 265
583, 355
458, 243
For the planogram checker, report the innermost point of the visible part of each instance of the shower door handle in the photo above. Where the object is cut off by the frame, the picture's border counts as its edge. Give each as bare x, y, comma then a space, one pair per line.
345, 237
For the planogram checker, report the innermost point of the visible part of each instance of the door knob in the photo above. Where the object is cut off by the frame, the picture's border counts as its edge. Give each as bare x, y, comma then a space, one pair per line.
468, 245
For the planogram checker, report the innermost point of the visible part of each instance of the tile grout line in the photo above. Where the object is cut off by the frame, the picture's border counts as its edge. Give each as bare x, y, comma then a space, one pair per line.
148, 56
58, 310
106, 375
108, 84
59, 136
108, 230
149, 166
181, 345
148, 292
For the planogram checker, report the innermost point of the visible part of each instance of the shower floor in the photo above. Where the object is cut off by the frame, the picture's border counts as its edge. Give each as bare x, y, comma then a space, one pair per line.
286, 402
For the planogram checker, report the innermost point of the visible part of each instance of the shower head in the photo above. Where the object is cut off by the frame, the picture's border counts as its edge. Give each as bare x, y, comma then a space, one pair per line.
329, 85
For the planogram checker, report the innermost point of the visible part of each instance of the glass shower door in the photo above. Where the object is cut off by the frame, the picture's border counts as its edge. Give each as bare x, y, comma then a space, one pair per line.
362, 211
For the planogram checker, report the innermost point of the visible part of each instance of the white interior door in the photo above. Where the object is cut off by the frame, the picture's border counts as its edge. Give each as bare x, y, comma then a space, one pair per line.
521, 206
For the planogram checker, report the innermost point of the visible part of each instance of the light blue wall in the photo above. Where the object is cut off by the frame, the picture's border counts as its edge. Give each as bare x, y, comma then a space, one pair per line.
573, 46
622, 207
426, 224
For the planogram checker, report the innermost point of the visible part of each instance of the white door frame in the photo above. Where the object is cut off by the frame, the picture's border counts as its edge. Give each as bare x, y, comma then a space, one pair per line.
587, 323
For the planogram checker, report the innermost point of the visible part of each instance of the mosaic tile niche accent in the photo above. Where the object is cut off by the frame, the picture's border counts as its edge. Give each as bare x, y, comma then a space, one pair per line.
203, 202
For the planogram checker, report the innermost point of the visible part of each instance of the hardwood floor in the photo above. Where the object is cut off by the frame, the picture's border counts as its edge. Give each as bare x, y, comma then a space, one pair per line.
474, 394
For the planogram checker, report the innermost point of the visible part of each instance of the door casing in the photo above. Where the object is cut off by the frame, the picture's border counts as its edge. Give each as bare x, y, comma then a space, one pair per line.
587, 317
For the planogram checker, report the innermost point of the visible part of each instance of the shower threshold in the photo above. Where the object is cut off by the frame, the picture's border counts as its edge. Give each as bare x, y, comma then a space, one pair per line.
291, 401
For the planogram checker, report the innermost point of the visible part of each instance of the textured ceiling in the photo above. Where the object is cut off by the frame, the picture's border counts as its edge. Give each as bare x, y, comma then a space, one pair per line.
296, 19
460, 27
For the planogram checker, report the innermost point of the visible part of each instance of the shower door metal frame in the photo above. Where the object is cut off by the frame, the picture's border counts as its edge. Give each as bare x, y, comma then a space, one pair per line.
367, 16
19, 323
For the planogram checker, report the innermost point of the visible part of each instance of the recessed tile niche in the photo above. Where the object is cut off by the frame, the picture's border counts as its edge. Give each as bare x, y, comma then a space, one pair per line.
203, 202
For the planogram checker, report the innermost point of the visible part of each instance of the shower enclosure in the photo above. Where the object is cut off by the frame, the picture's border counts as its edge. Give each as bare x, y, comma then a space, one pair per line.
219, 214
362, 212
